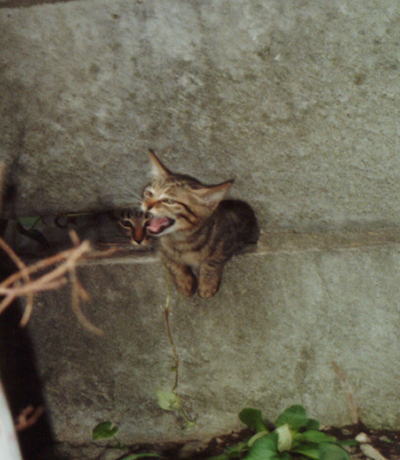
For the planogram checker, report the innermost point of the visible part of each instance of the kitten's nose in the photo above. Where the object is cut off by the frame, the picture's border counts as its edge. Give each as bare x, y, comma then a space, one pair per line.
149, 204
138, 234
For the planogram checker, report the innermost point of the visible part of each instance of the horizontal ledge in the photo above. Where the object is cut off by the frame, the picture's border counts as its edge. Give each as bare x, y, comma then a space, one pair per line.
278, 242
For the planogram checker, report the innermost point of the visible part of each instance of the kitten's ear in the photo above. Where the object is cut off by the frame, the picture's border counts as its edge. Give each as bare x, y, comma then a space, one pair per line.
157, 168
213, 194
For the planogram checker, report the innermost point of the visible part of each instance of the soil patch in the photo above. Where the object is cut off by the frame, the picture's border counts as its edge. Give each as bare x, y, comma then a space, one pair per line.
385, 442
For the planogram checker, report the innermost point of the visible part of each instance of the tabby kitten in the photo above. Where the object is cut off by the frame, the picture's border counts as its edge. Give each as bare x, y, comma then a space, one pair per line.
134, 223
199, 231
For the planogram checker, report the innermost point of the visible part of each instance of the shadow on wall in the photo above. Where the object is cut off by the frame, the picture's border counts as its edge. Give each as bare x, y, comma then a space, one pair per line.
20, 376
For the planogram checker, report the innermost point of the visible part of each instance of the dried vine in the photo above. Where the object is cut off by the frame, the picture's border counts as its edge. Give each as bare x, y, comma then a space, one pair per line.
50, 273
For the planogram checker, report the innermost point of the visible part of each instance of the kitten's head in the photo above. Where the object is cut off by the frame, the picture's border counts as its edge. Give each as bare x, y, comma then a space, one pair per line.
133, 223
177, 202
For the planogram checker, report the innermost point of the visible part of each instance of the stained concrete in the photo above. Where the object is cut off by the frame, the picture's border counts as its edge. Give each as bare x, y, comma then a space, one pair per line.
298, 100
283, 323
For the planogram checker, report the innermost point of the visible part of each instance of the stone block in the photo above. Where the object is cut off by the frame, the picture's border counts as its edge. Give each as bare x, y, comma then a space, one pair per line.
288, 326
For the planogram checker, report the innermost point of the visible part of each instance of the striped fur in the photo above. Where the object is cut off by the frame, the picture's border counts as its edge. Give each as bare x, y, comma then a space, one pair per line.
199, 231
133, 224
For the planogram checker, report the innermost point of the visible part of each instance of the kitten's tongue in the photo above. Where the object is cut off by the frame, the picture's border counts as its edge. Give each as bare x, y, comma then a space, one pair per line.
157, 224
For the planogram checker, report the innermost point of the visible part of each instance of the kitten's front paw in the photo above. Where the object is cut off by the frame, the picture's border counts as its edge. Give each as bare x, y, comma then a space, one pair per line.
209, 280
186, 285
207, 291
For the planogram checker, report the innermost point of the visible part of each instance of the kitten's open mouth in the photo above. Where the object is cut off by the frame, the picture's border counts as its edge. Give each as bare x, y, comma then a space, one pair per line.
158, 224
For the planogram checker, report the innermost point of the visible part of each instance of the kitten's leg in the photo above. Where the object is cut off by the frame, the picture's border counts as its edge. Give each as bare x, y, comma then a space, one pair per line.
210, 275
182, 276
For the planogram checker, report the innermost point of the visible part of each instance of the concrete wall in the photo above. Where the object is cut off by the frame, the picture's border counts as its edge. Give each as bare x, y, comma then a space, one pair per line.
299, 101
286, 318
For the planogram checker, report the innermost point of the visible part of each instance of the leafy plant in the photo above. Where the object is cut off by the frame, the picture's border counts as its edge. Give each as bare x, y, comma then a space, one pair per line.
295, 435
29, 222
108, 430
169, 400
172, 402
135, 456
104, 430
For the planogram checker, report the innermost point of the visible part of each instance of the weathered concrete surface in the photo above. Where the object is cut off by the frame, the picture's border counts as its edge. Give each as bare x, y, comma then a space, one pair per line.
268, 339
299, 100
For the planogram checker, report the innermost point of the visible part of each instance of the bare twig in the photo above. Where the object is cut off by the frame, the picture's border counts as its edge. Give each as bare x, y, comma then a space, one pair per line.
62, 266
29, 296
70, 258
173, 347
103, 252
7, 301
28, 417
45, 263
78, 292
167, 310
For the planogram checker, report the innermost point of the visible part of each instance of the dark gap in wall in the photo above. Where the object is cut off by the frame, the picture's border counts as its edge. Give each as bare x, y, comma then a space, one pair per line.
28, 3
19, 375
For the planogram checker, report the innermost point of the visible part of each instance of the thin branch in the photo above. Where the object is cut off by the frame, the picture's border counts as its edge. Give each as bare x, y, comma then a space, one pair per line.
74, 237
167, 312
22, 267
70, 257
20, 284
24, 289
78, 292
45, 263
7, 301
28, 417
83, 294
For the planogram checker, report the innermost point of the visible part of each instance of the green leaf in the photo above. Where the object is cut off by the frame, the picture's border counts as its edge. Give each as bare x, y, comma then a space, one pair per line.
310, 451
235, 451
350, 442
28, 222
219, 457
265, 448
253, 419
294, 416
285, 437
189, 424
254, 438
169, 400
314, 436
332, 452
104, 430
285, 456
135, 456
312, 424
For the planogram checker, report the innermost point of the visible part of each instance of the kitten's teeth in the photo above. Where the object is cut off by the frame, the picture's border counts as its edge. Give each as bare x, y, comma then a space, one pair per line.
157, 224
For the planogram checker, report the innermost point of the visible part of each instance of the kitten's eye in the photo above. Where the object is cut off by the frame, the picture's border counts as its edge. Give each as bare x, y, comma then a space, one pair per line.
169, 201
148, 194
125, 215
126, 223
